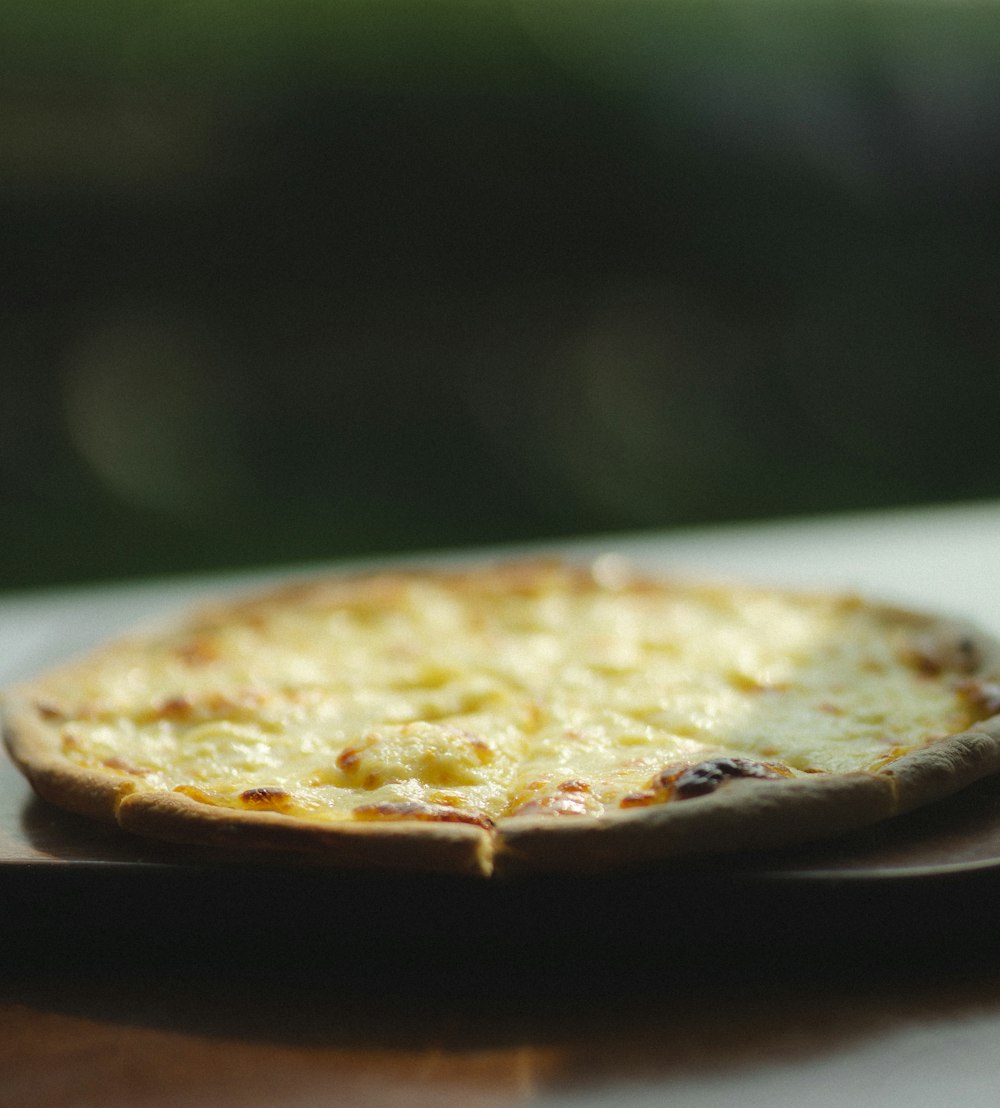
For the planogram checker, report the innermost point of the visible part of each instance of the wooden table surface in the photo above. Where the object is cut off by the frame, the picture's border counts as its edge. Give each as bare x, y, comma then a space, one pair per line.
140, 974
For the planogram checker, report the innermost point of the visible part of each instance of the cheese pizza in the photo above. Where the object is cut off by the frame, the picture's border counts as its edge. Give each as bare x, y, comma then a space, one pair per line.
528, 716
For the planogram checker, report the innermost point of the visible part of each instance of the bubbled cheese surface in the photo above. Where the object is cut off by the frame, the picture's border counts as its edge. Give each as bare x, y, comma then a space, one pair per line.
480, 694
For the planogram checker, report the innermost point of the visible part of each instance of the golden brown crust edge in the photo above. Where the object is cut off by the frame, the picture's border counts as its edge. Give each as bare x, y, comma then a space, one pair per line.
445, 848
936, 772
34, 749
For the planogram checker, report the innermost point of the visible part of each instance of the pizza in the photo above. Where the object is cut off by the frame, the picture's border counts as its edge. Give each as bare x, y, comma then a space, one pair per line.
502, 719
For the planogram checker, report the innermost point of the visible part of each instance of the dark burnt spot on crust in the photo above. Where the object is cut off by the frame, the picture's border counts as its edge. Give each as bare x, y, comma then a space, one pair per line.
433, 813
680, 782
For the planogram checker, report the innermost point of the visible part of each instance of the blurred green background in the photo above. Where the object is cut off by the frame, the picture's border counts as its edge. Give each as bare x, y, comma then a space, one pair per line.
293, 281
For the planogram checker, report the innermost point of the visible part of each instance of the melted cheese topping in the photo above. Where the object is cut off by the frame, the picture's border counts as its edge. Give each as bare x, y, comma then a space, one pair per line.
481, 694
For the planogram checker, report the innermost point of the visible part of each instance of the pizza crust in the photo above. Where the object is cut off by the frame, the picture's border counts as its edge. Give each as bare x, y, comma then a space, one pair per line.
939, 771
452, 848
742, 815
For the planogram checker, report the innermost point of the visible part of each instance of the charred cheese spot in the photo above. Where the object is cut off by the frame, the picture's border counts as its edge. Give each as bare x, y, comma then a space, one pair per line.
706, 777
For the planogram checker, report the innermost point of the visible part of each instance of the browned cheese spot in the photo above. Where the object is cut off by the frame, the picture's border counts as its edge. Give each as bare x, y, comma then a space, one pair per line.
121, 766
983, 698
266, 798
195, 793
48, 710
174, 708
70, 744
198, 652
931, 657
434, 813
638, 800
744, 683
348, 758
571, 798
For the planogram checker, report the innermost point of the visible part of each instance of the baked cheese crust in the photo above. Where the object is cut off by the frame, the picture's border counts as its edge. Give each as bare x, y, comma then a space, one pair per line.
528, 715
